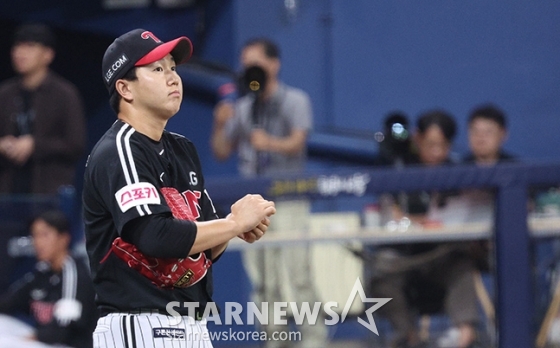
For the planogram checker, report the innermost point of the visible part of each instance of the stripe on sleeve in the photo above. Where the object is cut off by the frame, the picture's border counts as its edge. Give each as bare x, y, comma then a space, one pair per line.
127, 160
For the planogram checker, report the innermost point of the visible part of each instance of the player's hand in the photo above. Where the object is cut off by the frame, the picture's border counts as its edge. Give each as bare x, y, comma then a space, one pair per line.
223, 111
257, 232
250, 211
260, 140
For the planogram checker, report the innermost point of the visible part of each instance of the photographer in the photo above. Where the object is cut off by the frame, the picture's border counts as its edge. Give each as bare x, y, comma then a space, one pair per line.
268, 128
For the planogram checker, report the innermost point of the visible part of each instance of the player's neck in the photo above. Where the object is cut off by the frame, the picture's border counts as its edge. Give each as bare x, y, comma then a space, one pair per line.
34, 79
58, 262
149, 126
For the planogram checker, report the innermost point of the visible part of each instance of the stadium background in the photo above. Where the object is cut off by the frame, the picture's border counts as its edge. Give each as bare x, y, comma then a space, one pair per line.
358, 60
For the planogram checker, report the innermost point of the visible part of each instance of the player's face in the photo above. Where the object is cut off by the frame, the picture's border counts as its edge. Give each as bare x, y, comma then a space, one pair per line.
29, 57
158, 89
255, 56
485, 138
433, 147
48, 242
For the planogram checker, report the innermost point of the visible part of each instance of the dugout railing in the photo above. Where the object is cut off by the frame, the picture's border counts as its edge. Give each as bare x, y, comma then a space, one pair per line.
515, 301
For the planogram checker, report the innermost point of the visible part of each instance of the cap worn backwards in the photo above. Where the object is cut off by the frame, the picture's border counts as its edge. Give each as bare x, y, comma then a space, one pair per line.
140, 47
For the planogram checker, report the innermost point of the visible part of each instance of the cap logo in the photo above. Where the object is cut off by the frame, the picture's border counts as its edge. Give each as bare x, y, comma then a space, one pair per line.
149, 35
117, 64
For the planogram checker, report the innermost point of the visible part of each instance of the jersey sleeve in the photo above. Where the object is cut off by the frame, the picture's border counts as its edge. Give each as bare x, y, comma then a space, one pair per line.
17, 298
70, 325
128, 185
85, 294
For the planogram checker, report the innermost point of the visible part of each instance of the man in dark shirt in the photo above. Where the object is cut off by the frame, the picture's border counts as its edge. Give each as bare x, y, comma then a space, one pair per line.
58, 296
42, 124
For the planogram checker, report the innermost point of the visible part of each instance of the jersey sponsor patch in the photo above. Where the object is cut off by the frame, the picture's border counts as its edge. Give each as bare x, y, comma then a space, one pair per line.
137, 194
169, 333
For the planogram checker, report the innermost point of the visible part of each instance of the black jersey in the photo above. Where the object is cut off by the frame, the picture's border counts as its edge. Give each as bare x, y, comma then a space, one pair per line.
38, 293
129, 176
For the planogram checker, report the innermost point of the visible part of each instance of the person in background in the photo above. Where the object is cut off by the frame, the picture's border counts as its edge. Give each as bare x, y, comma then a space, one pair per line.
58, 295
487, 132
426, 277
268, 127
42, 124
487, 127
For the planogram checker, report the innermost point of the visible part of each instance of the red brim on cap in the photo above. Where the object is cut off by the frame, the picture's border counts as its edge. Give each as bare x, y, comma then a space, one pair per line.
180, 49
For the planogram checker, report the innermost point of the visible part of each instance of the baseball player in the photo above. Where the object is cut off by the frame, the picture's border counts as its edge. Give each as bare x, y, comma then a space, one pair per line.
57, 295
152, 232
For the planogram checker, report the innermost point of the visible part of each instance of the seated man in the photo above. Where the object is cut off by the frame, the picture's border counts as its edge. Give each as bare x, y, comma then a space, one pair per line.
58, 296
422, 277
487, 132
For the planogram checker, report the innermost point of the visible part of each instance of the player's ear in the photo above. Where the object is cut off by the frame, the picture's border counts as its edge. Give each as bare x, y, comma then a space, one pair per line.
123, 88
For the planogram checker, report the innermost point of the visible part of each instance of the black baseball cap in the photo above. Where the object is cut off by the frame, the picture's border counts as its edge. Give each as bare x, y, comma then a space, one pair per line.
35, 32
140, 47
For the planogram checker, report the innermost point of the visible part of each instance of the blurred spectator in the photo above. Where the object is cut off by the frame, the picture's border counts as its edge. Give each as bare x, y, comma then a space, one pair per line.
426, 277
268, 128
487, 134
42, 125
57, 296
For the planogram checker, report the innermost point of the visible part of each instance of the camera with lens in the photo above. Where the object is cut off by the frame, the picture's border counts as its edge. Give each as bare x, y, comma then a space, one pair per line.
252, 80
394, 141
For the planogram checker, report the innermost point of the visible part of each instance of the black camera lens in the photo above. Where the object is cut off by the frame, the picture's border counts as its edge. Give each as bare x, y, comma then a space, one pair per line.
253, 80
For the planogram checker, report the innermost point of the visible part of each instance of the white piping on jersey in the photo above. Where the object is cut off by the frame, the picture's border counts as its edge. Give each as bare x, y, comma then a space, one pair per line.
177, 134
69, 278
128, 156
121, 156
69, 284
210, 199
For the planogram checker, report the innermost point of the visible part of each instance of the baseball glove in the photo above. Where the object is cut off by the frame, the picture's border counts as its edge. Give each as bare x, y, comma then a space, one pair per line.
165, 273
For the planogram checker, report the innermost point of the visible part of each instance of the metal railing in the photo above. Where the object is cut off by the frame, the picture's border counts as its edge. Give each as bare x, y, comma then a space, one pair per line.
511, 182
